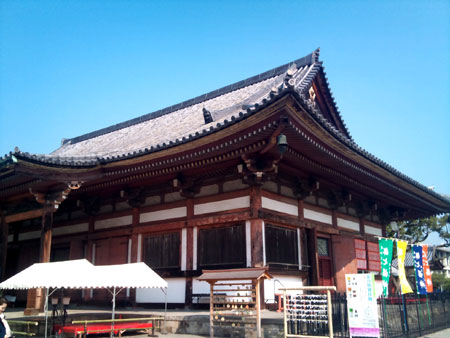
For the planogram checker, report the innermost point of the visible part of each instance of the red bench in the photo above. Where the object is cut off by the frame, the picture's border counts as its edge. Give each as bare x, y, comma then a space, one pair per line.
94, 328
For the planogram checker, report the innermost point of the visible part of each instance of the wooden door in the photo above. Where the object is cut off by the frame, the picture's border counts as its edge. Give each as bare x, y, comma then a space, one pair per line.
325, 262
107, 252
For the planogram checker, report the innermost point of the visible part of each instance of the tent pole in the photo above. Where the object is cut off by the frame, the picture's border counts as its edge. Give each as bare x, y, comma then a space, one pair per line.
113, 311
46, 311
165, 311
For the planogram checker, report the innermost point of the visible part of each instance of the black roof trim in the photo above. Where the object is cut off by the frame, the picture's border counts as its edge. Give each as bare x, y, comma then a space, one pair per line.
91, 161
304, 61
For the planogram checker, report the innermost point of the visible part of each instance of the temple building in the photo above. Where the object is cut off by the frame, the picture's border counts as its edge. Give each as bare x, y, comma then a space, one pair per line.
263, 172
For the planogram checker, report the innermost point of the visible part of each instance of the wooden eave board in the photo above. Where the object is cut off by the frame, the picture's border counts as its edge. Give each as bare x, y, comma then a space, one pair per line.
234, 274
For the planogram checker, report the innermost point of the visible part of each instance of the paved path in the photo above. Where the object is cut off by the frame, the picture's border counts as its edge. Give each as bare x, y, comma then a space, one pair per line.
439, 334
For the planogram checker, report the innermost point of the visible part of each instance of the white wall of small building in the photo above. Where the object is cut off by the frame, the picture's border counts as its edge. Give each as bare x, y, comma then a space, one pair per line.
176, 292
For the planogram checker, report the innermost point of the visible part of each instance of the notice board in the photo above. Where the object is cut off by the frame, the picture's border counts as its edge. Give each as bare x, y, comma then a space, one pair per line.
362, 305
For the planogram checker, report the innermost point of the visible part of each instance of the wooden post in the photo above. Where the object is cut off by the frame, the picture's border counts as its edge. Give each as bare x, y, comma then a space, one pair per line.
362, 230
330, 314
189, 251
258, 314
301, 210
284, 311
46, 237
257, 247
313, 256
211, 306
334, 219
36, 297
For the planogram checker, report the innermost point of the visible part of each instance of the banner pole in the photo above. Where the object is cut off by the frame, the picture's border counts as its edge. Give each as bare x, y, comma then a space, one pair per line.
428, 311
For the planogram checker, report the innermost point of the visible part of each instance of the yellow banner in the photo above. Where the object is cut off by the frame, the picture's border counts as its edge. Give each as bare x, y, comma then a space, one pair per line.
401, 252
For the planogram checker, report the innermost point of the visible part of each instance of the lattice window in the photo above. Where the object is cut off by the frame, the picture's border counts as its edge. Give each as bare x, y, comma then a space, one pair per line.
322, 247
281, 245
162, 251
367, 255
222, 247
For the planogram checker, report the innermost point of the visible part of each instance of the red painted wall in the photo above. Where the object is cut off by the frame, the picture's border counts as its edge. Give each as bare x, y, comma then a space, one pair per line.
344, 259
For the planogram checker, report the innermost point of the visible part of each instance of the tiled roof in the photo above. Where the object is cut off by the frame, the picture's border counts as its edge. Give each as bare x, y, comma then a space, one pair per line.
409, 258
184, 122
431, 255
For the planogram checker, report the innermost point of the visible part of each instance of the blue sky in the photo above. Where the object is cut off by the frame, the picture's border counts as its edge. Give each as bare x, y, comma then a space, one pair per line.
71, 67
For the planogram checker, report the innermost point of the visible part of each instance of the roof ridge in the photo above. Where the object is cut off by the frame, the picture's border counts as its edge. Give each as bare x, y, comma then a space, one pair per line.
306, 60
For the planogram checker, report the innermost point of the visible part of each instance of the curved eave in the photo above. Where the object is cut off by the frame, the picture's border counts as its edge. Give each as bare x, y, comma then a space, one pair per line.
75, 165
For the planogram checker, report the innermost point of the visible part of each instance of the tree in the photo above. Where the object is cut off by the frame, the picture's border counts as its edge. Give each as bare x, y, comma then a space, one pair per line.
440, 282
418, 230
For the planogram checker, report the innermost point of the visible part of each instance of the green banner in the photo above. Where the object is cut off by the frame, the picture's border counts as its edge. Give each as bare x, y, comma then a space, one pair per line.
386, 248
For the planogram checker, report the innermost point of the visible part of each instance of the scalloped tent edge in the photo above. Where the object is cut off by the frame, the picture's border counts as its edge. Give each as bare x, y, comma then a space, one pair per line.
55, 275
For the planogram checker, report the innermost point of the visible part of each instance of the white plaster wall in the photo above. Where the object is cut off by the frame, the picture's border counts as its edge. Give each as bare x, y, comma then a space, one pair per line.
372, 230
162, 214
175, 292
152, 200
105, 209
287, 191
139, 248
77, 214
203, 287
270, 186
352, 211
234, 185
317, 216
172, 197
122, 206
248, 244
263, 230
71, 229
183, 249
113, 222
29, 235
59, 218
277, 282
310, 199
200, 286
194, 248
286, 208
208, 190
345, 223
299, 248
322, 202
229, 204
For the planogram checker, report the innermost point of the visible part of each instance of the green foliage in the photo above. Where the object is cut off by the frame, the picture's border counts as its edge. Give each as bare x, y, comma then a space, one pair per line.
440, 281
418, 230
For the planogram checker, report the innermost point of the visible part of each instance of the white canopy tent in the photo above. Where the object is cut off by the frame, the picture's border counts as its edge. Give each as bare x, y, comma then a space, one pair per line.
67, 274
132, 275
81, 274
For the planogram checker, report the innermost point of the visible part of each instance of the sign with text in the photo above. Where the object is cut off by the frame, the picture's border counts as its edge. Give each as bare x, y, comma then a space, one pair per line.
362, 305
386, 248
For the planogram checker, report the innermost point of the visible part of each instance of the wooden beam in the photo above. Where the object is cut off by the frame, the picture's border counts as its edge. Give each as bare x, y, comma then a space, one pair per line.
22, 216
225, 218
281, 219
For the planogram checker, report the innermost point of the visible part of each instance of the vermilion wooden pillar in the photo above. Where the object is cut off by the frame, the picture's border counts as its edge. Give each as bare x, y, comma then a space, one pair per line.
134, 236
313, 255
256, 227
35, 298
189, 252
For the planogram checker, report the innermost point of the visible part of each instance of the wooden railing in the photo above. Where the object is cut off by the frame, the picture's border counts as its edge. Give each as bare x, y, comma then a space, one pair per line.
27, 324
